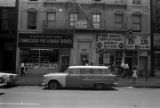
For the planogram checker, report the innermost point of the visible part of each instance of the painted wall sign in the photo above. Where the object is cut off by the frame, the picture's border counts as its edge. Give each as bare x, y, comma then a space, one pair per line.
110, 41
137, 42
8, 3
46, 40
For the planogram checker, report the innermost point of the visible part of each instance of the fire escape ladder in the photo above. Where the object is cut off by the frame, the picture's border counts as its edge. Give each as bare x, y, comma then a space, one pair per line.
85, 15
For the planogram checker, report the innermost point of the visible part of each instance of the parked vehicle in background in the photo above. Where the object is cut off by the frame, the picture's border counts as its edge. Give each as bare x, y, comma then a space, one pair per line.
97, 77
7, 79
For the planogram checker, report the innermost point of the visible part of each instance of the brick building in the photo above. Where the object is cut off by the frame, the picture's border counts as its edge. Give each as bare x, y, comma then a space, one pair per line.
53, 34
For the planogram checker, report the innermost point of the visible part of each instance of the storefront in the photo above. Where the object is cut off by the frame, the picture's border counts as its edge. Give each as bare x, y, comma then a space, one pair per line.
156, 53
113, 49
44, 52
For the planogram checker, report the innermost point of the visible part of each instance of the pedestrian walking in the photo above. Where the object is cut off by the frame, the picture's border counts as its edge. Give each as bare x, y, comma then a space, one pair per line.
22, 67
134, 75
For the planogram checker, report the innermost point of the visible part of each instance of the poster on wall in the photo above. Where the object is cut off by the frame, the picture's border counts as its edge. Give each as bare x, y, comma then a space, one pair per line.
110, 41
138, 42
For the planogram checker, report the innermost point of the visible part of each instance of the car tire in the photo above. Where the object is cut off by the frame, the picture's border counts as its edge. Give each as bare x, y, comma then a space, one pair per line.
53, 85
99, 86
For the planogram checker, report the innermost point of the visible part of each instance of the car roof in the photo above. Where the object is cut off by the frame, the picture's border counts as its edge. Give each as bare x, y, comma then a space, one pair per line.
88, 67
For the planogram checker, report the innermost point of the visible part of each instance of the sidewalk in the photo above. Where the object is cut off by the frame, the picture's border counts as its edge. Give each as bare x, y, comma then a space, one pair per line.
36, 80
152, 82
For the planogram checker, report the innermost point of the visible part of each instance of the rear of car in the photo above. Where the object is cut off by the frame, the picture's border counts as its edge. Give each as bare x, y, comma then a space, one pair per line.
7, 79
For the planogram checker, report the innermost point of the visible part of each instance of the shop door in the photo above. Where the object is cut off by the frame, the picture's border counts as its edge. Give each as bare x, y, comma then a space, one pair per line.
129, 60
84, 49
143, 65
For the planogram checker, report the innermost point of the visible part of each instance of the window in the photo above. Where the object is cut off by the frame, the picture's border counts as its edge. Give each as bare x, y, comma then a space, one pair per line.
5, 20
72, 19
136, 22
32, 19
96, 20
119, 19
51, 19
33, 0
136, 2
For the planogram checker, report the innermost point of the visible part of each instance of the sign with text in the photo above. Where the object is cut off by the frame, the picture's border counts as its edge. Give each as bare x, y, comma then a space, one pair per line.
8, 3
110, 41
46, 40
138, 42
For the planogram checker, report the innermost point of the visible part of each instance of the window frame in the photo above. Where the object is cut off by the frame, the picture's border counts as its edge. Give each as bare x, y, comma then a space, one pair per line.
138, 23
32, 19
48, 21
137, 2
96, 20
73, 19
119, 22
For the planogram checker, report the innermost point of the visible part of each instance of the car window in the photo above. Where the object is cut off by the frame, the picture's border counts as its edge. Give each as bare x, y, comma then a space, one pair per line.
74, 71
99, 71
85, 71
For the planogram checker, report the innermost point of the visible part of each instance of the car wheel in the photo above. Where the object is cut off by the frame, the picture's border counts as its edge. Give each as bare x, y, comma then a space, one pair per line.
53, 85
99, 86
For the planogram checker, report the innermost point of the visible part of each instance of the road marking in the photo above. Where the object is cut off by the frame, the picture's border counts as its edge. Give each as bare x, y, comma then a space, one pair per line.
21, 103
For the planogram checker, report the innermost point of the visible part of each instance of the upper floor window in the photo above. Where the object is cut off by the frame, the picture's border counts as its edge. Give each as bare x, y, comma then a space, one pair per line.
119, 18
32, 19
51, 19
96, 20
136, 2
73, 19
5, 20
136, 21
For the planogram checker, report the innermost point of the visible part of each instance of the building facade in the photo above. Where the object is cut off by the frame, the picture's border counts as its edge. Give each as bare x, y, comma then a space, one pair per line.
8, 35
54, 34
156, 35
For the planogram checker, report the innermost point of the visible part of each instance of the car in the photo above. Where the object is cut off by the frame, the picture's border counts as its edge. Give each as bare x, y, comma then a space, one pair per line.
7, 79
97, 77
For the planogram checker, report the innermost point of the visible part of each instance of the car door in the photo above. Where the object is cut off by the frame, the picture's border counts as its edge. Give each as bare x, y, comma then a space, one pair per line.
74, 78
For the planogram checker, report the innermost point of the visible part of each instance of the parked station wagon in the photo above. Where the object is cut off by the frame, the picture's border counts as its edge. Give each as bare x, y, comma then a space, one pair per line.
97, 77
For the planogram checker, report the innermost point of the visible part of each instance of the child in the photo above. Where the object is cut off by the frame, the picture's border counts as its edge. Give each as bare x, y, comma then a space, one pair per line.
134, 76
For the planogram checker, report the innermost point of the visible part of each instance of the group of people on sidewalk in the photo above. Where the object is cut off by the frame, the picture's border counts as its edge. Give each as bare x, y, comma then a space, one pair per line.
128, 72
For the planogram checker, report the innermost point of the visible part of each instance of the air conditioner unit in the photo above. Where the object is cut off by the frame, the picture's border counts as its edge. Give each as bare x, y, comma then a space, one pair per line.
81, 24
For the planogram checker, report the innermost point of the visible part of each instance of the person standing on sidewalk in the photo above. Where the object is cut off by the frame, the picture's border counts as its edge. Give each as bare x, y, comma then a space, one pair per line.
134, 75
22, 67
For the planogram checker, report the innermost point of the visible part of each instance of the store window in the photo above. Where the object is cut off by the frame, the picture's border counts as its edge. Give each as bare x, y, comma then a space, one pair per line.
96, 20
157, 61
49, 59
72, 19
32, 19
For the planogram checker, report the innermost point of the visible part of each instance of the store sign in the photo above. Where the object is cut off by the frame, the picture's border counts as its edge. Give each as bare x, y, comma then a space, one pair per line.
46, 40
138, 42
7, 3
110, 41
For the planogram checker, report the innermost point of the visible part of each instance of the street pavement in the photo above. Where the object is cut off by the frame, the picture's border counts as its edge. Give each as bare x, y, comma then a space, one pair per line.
36, 80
